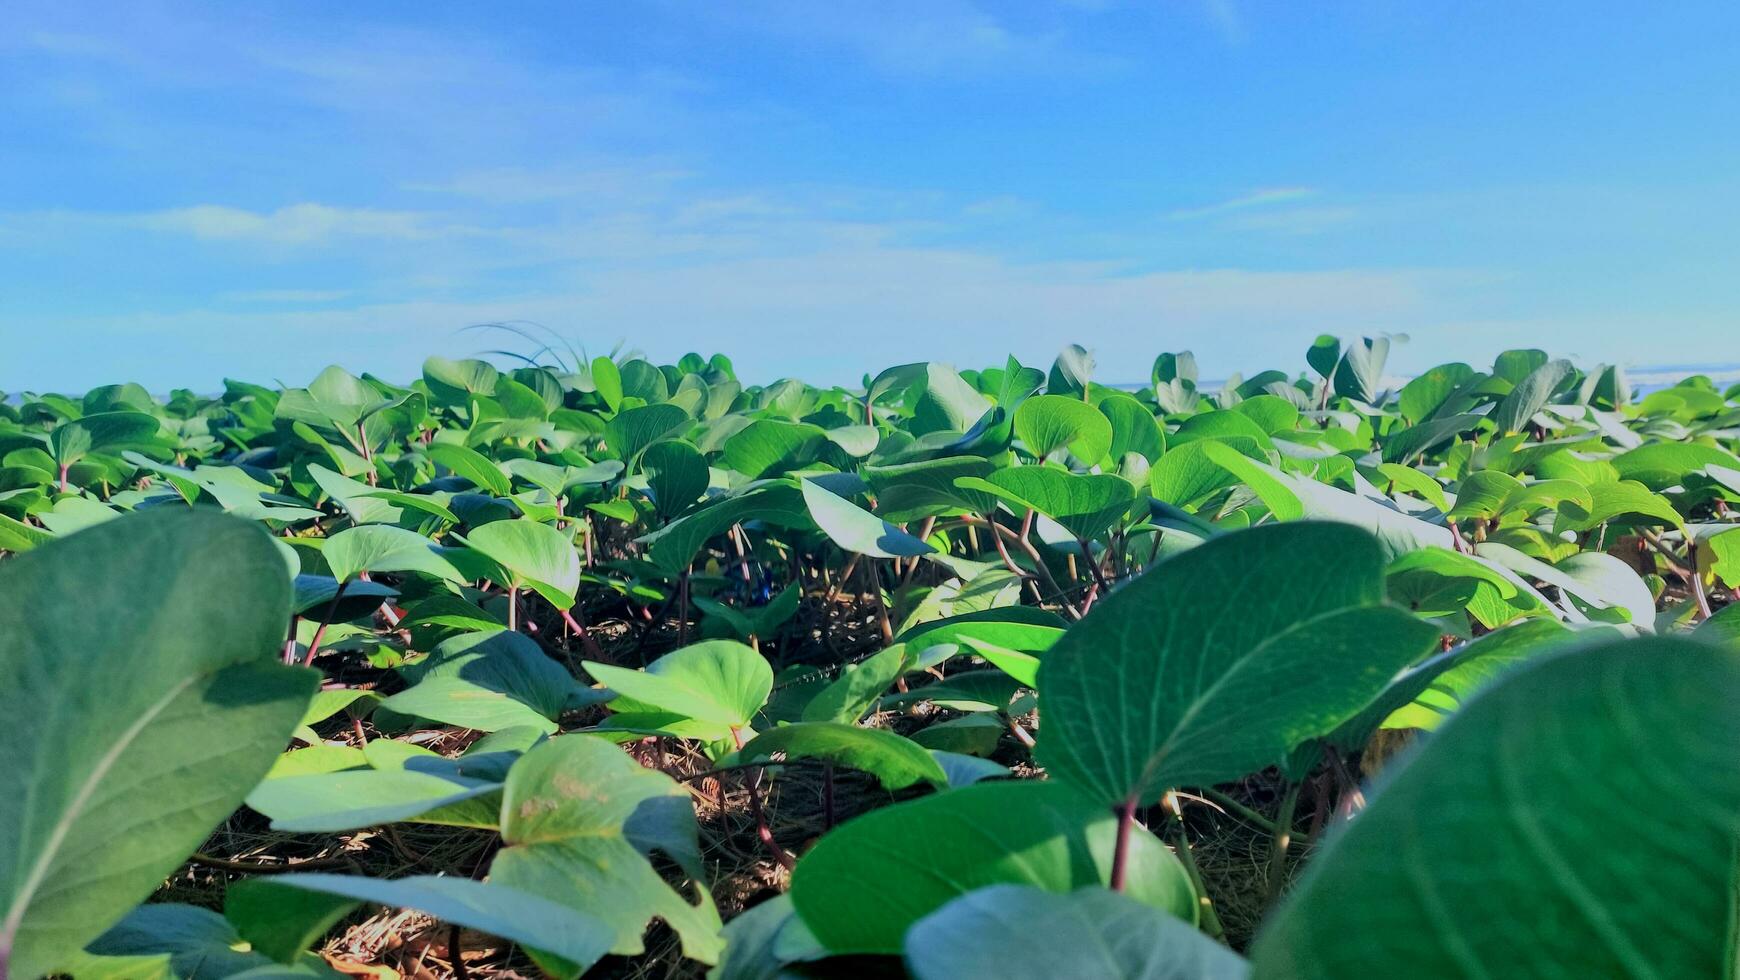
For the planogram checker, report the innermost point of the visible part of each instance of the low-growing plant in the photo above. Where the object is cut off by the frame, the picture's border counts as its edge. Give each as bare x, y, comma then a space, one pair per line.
609, 667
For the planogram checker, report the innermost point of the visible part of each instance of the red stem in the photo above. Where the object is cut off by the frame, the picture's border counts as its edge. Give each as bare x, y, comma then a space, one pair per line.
1121, 852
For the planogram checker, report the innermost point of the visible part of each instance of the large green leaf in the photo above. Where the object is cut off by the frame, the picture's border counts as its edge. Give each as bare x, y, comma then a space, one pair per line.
1047, 423
580, 818
1016, 932
356, 798
633, 430
674, 546
102, 432
488, 682
896, 762
866, 883
1499, 849
856, 529
767, 447
1660, 465
909, 491
718, 681
168, 940
1461, 673
676, 474
554, 929
1087, 505
1530, 395
384, 548
146, 700
1179, 679
536, 556
483, 472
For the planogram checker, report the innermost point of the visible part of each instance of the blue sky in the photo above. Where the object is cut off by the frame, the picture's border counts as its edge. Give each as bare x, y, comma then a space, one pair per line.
190, 191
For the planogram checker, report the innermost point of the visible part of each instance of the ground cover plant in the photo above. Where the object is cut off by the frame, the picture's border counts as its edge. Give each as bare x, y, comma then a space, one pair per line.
621, 669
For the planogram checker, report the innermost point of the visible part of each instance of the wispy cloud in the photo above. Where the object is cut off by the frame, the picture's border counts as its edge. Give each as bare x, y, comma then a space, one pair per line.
296, 224
1226, 18
1262, 197
922, 37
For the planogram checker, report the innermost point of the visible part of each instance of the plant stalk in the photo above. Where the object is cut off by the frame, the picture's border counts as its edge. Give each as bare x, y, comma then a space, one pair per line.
1121, 851
1210, 919
1283, 839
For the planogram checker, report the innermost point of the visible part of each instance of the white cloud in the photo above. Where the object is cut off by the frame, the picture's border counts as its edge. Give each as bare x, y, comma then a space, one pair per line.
919, 37
1262, 197
296, 224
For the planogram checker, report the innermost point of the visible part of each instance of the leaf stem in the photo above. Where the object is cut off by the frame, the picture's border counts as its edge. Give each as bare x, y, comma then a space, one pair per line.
1210, 920
325, 621
1283, 838
1121, 850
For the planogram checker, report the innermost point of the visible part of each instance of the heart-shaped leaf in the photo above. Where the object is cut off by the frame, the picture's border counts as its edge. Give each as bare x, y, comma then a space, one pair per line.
580, 818
866, 883
717, 681
1017, 932
1492, 852
1176, 680
144, 654
535, 556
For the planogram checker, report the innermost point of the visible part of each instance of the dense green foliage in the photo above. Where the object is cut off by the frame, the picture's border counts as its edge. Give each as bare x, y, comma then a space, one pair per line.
1029, 637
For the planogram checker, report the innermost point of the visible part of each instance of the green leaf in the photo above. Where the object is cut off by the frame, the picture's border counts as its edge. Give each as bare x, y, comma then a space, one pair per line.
1361, 369
1415, 482
767, 447
1015, 932
674, 546
1153, 690
1660, 465
607, 381
1439, 582
483, 472
143, 653
849, 696
103, 432
1415, 440
631, 431
856, 529
317, 759
1024, 667
1280, 498
384, 548
863, 885
1625, 499
185, 942
717, 681
1723, 628
577, 937
454, 382
1022, 628
677, 475
1086, 505
895, 761
1495, 850
913, 491
580, 817
537, 556
1530, 396
1047, 423
1459, 674
763, 939
1134, 428
1423, 395
487, 682
338, 801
